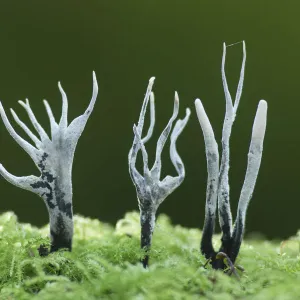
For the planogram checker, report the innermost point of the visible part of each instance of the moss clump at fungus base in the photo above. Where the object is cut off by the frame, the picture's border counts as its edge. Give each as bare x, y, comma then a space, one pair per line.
105, 264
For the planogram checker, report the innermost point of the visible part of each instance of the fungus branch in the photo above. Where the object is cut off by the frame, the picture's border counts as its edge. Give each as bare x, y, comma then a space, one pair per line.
212, 156
225, 217
151, 191
218, 181
54, 159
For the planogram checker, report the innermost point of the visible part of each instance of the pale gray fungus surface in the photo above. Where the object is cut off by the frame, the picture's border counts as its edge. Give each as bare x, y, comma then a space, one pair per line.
54, 159
218, 181
151, 191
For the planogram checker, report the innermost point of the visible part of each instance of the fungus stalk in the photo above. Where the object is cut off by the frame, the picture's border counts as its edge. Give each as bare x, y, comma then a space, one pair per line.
151, 191
218, 180
54, 159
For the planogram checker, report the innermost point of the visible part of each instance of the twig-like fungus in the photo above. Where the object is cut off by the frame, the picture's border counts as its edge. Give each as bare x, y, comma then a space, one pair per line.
54, 158
218, 182
151, 192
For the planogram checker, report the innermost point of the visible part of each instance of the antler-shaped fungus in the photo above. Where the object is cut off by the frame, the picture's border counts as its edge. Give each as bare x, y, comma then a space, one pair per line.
151, 192
218, 182
54, 158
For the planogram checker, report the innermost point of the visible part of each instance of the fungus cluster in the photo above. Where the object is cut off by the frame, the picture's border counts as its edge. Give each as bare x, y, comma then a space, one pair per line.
217, 193
53, 156
151, 191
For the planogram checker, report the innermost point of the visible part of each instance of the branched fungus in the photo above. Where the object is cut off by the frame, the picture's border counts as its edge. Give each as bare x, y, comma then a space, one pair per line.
54, 158
151, 191
218, 181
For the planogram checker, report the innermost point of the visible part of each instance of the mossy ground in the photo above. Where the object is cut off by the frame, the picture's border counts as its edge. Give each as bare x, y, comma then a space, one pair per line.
104, 265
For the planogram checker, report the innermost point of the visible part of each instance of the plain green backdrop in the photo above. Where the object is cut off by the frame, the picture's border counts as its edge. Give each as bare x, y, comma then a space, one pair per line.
180, 42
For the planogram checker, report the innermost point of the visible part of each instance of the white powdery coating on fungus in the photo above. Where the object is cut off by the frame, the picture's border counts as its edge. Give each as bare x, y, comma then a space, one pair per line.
54, 159
218, 181
212, 156
225, 217
151, 191
149, 187
254, 157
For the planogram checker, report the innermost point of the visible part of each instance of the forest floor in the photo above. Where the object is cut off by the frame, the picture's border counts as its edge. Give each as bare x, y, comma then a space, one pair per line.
104, 264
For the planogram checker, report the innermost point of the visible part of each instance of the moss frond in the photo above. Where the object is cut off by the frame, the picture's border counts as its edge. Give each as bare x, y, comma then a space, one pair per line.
104, 264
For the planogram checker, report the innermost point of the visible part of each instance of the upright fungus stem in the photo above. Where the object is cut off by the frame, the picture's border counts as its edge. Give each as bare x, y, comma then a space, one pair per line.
54, 159
218, 179
151, 191
147, 227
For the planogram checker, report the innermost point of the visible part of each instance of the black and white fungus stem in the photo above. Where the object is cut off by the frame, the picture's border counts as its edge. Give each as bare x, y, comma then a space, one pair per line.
218, 179
151, 191
54, 159
212, 156
147, 219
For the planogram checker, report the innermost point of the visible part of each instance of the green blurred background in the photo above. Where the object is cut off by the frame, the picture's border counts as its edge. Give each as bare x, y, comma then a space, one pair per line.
179, 42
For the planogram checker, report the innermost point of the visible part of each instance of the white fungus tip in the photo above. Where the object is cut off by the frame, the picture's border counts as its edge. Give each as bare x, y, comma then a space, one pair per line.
22, 103
151, 80
259, 125
203, 119
263, 102
188, 111
94, 76
198, 104
176, 97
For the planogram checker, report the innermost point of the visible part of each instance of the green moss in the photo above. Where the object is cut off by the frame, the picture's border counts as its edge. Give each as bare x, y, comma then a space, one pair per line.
104, 265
